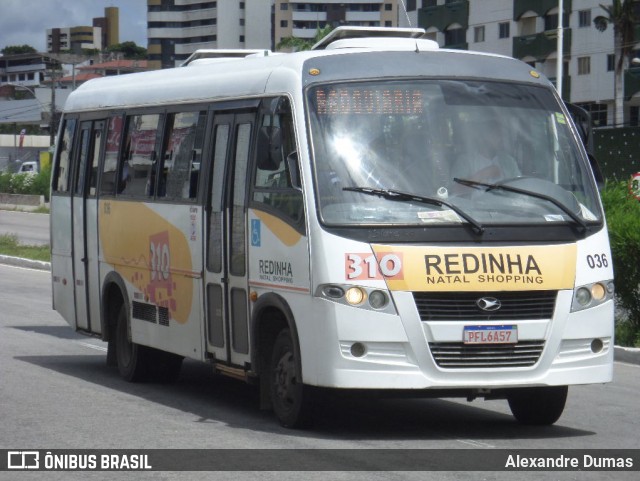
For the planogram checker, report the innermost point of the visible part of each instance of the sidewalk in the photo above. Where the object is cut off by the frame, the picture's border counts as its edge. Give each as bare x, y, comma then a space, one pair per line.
622, 354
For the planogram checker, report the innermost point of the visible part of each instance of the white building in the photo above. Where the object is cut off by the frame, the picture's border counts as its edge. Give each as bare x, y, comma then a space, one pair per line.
177, 28
293, 18
527, 30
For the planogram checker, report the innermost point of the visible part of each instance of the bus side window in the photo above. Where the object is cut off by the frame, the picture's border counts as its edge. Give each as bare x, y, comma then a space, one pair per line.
272, 183
63, 162
112, 150
94, 156
83, 154
182, 155
139, 157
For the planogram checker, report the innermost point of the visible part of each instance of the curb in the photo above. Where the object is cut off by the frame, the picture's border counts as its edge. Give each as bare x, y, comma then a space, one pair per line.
28, 263
623, 354
627, 354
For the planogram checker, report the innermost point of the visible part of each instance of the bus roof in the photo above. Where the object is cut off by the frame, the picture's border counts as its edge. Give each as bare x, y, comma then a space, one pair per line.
277, 73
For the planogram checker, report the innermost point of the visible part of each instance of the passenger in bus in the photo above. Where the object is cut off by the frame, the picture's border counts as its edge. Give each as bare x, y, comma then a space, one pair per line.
125, 177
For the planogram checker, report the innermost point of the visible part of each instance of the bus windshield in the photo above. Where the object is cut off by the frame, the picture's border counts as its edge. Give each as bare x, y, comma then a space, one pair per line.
450, 151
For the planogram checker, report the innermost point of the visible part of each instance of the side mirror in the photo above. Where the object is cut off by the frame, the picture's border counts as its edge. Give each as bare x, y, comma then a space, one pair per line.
582, 120
597, 172
269, 148
294, 170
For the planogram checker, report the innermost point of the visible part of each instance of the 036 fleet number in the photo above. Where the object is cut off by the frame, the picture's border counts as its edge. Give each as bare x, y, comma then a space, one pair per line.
597, 261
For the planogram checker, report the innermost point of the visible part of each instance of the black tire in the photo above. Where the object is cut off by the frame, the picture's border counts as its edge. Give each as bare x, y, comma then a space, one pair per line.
292, 401
540, 406
112, 358
132, 359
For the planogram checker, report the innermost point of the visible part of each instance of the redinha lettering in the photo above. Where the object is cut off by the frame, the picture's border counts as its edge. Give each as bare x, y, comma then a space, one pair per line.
483, 268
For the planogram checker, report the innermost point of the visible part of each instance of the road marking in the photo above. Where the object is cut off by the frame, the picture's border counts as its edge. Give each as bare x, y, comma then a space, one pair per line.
92, 346
475, 444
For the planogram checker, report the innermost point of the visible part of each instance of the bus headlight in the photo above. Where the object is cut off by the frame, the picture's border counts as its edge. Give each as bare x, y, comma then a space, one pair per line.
583, 296
334, 292
357, 296
598, 291
378, 300
591, 295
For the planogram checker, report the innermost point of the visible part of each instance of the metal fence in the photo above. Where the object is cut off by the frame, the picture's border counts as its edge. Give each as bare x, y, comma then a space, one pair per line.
618, 151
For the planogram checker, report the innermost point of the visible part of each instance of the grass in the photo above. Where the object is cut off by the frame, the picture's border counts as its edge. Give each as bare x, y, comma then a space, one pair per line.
626, 335
43, 209
9, 246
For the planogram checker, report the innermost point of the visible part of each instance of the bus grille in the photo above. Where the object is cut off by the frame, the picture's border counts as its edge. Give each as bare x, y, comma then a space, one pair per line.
456, 355
144, 312
150, 313
461, 306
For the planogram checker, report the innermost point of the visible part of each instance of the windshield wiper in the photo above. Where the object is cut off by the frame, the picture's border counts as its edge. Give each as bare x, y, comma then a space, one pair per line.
537, 195
406, 197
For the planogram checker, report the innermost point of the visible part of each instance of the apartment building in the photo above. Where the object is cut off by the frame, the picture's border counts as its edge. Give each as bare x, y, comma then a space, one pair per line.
26, 69
527, 30
177, 28
103, 33
303, 19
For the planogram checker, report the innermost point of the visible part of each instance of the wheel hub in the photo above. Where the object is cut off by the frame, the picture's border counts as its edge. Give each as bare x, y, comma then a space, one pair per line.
285, 378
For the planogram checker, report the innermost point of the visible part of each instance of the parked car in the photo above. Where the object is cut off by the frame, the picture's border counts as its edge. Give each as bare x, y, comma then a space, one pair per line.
29, 167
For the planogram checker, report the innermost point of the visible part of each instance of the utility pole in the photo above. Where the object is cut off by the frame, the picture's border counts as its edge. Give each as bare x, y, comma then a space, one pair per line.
559, 65
52, 116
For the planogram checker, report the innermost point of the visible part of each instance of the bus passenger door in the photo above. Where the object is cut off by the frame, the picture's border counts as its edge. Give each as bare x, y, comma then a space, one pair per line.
226, 276
84, 215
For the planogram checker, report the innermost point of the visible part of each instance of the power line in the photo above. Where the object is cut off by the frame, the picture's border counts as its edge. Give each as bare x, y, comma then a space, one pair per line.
40, 106
19, 113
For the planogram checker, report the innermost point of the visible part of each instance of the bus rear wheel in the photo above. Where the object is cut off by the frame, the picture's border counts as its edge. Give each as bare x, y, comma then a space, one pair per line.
538, 406
291, 400
132, 359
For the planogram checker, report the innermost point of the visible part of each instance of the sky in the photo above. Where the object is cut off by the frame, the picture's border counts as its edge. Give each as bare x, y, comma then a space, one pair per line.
25, 22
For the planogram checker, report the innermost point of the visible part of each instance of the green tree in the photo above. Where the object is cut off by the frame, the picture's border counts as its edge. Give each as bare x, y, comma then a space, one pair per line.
622, 16
17, 49
130, 50
90, 52
298, 44
623, 222
15, 129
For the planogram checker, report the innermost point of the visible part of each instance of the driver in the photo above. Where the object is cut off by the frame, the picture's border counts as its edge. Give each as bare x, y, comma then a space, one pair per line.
486, 159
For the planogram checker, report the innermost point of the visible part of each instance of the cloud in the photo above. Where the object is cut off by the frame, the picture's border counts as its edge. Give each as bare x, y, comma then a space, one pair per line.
25, 22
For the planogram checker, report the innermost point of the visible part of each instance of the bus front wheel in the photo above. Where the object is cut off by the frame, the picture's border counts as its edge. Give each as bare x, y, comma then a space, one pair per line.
291, 399
131, 358
538, 406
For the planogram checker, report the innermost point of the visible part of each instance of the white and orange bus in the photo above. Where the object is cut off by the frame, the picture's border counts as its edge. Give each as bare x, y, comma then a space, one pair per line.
373, 214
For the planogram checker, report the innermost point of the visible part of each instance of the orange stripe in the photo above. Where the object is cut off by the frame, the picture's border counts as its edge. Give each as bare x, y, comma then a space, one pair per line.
278, 286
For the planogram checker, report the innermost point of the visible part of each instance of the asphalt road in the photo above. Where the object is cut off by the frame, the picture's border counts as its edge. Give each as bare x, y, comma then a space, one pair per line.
56, 392
31, 229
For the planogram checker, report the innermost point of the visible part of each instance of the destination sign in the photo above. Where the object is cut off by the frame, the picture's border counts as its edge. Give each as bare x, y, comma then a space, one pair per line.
375, 101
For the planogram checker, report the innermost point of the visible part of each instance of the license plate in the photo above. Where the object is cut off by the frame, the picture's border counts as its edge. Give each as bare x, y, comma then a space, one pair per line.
490, 334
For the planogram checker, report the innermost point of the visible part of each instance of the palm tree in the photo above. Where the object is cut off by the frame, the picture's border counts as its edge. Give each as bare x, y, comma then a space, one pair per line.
298, 44
622, 16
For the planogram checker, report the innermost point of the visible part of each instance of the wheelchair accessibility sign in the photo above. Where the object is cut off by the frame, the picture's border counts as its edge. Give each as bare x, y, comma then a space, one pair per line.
255, 232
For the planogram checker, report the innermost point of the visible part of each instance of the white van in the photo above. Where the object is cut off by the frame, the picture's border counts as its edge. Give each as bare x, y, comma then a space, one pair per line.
29, 167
